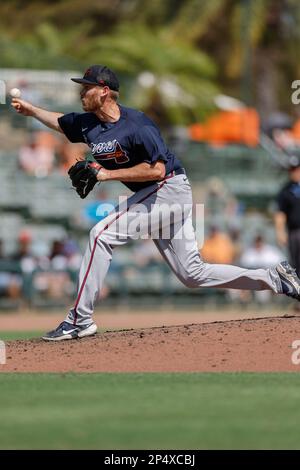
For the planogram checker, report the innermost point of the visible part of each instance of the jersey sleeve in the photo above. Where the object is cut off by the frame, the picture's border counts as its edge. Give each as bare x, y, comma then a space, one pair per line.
71, 125
150, 145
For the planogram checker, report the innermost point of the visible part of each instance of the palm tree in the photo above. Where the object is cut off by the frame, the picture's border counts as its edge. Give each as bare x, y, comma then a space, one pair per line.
170, 78
171, 53
255, 43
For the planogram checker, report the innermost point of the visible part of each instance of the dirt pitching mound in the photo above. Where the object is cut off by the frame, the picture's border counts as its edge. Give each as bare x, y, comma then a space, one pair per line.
242, 345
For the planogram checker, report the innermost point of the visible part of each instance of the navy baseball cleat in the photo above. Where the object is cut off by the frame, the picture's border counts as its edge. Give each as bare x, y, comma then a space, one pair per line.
290, 282
68, 331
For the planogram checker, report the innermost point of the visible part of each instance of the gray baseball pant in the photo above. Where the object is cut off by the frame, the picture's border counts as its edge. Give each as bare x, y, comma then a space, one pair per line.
174, 239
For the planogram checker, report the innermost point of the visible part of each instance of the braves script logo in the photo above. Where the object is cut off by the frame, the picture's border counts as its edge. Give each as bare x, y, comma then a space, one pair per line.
109, 150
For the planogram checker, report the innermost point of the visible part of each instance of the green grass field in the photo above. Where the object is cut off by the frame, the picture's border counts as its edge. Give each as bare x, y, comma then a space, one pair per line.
150, 411
10, 335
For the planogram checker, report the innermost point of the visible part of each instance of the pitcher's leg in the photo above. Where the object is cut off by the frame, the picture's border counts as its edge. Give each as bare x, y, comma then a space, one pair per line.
234, 277
93, 269
184, 259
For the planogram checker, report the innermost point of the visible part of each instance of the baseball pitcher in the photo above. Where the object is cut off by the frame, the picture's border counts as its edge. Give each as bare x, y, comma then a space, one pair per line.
127, 147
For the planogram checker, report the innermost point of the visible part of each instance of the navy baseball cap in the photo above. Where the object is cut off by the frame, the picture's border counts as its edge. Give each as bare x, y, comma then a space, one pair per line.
99, 75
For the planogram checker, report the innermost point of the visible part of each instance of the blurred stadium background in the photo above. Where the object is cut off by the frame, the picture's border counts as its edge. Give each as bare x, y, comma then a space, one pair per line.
216, 76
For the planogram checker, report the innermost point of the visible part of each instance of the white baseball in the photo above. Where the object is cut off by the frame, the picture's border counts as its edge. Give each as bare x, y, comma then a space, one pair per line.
15, 93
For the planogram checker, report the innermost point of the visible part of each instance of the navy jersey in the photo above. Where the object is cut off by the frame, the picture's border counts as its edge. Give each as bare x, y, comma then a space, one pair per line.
289, 202
133, 139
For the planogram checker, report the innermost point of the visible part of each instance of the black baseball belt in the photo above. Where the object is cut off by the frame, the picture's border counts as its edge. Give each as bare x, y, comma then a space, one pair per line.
179, 171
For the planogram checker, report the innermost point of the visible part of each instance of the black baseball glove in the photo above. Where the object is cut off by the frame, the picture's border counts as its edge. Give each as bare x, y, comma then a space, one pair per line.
83, 175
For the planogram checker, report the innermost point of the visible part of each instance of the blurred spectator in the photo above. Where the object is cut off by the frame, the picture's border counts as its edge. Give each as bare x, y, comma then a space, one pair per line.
25, 261
260, 255
46, 139
218, 248
58, 260
23, 253
53, 276
287, 217
71, 251
55, 281
35, 159
146, 254
10, 282
68, 153
235, 237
